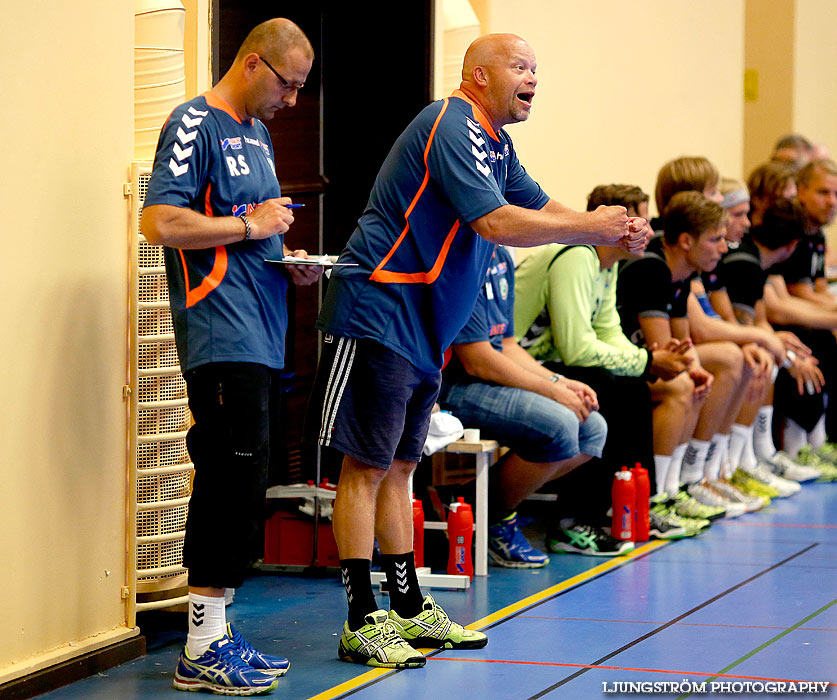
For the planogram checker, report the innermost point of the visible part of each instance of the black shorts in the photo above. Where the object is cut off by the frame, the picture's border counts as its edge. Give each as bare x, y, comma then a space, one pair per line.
370, 403
233, 405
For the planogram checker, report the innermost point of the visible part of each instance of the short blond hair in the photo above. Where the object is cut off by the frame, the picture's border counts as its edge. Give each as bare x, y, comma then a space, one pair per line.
768, 180
690, 212
806, 174
275, 38
681, 175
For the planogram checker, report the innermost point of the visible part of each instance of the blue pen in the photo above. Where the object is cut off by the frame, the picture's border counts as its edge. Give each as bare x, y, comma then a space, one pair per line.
294, 206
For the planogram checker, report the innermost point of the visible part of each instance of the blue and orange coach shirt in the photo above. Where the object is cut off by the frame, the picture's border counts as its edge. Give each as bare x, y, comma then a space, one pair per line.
227, 304
420, 265
492, 318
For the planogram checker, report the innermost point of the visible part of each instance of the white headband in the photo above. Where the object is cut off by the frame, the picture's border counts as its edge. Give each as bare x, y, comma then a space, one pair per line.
734, 198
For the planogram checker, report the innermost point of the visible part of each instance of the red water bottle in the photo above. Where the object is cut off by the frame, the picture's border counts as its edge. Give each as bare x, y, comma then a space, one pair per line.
418, 531
642, 487
460, 534
624, 502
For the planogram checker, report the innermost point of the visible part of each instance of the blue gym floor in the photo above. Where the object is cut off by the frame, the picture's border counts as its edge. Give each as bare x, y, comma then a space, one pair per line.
752, 600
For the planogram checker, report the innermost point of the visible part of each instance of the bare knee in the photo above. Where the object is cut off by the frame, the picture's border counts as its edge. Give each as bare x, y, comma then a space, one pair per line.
679, 390
357, 473
722, 357
401, 470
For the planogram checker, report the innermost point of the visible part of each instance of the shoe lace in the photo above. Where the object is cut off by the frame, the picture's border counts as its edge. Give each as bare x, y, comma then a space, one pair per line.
229, 655
512, 538
243, 645
389, 634
586, 530
440, 614
600, 535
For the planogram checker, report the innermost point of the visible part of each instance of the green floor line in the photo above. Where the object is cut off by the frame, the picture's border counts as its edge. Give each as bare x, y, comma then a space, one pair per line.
766, 644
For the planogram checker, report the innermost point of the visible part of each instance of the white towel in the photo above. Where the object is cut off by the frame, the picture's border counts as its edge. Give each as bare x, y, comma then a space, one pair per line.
444, 429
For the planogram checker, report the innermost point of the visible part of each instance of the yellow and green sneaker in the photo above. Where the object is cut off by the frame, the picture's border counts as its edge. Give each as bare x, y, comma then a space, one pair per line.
378, 643
691, 526
810, 457
827, 451
433, 628
750, 484
687, 506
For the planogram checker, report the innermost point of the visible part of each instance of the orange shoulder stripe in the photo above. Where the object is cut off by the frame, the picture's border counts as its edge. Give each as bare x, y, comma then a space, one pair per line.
214, 101
479, 115
381, 275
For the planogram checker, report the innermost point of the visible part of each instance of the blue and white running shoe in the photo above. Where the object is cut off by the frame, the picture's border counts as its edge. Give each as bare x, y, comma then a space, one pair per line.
221, 670
271, 665
508, 547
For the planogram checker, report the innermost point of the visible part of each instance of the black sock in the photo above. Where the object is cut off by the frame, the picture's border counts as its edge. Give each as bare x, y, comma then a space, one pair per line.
404, 591
359, 593
498, 514
497, 510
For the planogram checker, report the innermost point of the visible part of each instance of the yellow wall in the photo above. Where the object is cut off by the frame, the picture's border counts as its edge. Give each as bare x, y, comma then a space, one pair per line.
623, 87
815, 72
769, 50
196, 46
814, 77
66, 119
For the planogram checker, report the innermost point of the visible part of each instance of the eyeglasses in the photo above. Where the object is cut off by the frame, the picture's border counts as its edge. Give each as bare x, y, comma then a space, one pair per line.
285, 83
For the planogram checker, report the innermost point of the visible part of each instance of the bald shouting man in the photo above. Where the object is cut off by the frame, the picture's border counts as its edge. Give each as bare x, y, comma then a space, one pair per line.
448, 192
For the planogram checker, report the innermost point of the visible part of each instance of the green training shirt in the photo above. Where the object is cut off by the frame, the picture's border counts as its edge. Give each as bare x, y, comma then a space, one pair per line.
565, 310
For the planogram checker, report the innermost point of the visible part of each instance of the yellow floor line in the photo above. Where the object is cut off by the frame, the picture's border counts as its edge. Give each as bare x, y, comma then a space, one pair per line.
370, 676
356, 682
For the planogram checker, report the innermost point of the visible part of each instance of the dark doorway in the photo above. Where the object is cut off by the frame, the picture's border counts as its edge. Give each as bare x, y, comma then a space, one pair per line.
371, 76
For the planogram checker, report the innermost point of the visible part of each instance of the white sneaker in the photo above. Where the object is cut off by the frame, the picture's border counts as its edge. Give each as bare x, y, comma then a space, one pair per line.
703, 493
782, 465
785, 487
729, 491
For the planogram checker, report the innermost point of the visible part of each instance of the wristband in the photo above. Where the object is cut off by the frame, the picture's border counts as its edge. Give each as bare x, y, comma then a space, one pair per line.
790, 358
647, 375
555, 377
247, 231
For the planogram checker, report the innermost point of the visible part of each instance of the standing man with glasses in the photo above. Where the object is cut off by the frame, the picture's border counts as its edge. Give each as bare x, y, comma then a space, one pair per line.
215, 203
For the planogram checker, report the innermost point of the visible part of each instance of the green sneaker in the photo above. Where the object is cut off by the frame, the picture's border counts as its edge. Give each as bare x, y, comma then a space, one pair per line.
744, 481
811, 458
687, 506
750, 487
665, 527
827, 451
691, 526
432, 628
377, 643
829, 472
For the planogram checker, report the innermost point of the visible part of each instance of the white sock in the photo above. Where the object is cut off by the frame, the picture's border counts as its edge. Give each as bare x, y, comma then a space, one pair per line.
816, 437
727, 465
715, 457
742, 438
763, 433
693, 462
738, 436
794, 437
661, 466
673, 477
207, 622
